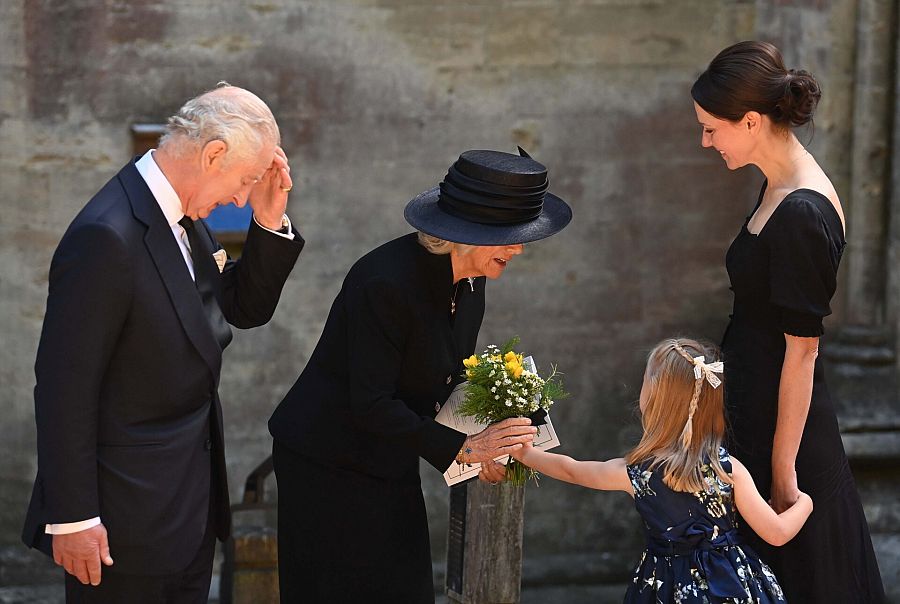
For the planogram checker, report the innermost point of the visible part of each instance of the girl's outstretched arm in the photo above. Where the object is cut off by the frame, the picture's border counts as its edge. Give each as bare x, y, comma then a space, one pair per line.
604, 475
774, 528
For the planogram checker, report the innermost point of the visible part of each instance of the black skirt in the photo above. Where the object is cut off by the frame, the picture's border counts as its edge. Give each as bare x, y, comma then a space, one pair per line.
348, 537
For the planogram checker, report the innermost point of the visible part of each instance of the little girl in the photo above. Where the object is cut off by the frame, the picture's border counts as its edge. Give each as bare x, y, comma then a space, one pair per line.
685, 487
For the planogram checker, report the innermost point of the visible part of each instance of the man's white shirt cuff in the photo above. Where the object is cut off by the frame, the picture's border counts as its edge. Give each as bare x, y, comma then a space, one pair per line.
71, 527
285, 223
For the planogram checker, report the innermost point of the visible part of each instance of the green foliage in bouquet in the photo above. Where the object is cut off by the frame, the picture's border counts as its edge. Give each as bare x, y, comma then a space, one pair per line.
500, 387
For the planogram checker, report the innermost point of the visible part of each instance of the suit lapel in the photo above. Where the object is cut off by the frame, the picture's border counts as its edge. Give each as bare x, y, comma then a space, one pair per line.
206, 255
469, 309
437, 270
169, 262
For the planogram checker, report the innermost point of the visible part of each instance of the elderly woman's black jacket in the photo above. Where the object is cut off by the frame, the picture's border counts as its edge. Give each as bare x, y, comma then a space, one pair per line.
389, 355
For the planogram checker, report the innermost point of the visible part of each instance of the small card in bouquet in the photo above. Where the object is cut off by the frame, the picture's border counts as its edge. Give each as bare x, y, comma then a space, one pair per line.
449, 416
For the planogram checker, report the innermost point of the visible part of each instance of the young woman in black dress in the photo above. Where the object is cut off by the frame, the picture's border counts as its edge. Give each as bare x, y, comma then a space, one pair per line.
783, 266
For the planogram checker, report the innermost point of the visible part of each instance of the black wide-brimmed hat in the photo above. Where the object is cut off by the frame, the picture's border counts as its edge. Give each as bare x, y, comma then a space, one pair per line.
490, 198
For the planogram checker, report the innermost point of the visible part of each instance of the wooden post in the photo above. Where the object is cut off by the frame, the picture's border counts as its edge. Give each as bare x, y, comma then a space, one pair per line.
250, 568
484, 545
252, 559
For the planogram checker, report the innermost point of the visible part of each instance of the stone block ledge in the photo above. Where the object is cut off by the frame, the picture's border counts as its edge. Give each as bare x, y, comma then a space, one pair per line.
872, 447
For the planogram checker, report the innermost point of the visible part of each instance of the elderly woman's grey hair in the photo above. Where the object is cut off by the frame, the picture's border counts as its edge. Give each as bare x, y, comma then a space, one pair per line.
227, 113
436, 245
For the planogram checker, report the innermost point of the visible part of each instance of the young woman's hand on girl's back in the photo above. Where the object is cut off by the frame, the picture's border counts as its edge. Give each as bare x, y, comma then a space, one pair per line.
774, 528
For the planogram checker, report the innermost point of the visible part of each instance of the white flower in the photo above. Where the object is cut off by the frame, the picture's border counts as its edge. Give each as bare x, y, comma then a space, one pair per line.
508, 403
493, 389
497, 397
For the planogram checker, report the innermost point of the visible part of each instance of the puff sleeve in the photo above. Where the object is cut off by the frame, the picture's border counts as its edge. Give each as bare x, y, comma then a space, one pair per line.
803, 265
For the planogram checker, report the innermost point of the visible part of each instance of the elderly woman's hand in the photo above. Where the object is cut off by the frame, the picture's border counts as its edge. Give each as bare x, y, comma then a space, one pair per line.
497, 439
492, 472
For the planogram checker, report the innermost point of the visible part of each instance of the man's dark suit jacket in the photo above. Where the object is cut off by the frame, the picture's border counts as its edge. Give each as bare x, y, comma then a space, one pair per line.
129, 424
389, 353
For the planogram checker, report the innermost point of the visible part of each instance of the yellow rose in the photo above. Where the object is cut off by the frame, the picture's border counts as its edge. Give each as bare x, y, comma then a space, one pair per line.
518, 372
509, 357
512, 366
471, 361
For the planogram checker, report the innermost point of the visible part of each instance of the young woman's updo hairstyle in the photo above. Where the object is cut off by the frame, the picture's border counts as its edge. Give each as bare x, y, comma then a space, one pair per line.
750, 76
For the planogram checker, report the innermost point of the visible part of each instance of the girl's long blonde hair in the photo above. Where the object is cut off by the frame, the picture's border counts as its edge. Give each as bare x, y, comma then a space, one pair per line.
683, 417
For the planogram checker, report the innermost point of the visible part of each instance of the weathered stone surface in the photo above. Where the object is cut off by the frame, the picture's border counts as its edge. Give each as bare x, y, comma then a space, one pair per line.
42, 594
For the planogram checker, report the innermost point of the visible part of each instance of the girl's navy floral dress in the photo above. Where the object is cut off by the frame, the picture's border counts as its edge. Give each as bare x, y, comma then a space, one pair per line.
693, 551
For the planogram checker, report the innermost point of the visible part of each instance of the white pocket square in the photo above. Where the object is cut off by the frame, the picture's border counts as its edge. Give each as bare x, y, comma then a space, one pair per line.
220, 256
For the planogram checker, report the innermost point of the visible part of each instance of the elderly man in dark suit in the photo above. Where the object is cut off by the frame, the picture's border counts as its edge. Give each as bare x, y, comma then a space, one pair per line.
131, 463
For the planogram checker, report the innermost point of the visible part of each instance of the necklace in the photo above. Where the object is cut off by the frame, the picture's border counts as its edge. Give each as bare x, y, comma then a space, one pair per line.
471, 281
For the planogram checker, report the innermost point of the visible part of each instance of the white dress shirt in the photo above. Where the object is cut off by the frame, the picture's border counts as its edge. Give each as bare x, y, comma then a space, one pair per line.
172, 209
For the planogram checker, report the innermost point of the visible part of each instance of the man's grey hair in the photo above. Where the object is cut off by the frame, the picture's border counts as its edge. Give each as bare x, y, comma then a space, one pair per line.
227, 113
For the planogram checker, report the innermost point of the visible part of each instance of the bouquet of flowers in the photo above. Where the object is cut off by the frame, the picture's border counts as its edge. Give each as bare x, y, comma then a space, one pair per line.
500, 386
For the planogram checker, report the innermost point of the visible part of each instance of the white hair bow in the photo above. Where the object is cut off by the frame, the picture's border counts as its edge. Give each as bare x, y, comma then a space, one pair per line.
701, 369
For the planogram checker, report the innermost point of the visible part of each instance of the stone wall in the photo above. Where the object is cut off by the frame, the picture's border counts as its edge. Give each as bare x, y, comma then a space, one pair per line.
375, 99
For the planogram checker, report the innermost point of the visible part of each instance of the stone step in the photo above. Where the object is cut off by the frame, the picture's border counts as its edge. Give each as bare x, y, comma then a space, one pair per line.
571, 594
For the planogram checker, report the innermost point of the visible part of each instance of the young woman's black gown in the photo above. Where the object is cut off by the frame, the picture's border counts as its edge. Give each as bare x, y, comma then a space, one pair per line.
783, 280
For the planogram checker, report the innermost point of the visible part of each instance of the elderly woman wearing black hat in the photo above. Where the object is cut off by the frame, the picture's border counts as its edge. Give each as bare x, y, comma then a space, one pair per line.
348, 436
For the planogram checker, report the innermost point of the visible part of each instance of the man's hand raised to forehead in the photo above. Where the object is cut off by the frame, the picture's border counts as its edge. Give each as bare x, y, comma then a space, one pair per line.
268, 197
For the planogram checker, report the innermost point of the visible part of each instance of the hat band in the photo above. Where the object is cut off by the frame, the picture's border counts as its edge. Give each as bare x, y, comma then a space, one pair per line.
488, 203
458, 178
